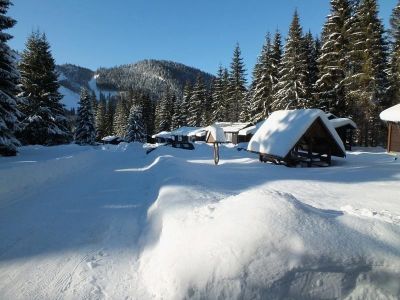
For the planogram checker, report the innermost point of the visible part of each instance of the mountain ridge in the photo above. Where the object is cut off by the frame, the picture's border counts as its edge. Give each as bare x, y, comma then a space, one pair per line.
151, 75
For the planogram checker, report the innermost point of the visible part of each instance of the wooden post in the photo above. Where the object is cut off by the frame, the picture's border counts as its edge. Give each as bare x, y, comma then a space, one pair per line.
389, 137
216, 153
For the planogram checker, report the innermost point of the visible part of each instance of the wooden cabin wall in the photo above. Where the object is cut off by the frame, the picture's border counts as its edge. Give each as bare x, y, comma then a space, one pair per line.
394, 137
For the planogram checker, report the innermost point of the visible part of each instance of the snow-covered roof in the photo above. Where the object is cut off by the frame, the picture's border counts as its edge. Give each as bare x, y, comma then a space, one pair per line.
217, 133
391, 114
188, 131
162, 134
283, 129
109, 138
251, 129
331, 116
232, 126
339, 122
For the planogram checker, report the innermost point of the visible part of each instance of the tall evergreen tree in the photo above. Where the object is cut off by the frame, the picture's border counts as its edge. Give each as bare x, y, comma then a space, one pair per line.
164, 111
394, 73
44, 119
367, 82
101, 120
197, 102
311, 49
136, 129
85, 132
332, 63
219, 100
177, 117
121, 117
9, 113
110, 115
291, 88
264, 79
237, 86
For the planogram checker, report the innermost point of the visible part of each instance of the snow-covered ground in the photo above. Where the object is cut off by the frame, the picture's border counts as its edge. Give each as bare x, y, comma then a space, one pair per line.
70, 99
111, 222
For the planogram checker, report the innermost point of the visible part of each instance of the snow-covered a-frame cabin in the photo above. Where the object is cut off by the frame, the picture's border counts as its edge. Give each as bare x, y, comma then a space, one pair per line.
232, 129
297, 136
392, 117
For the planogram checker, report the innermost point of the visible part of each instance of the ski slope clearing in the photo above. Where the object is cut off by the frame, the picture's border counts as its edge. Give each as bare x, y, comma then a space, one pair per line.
110, 222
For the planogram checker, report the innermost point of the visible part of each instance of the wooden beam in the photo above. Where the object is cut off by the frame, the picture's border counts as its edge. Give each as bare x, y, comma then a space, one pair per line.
389, 137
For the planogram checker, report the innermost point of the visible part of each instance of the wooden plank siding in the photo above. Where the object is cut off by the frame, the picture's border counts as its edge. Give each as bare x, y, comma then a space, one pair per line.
394, 137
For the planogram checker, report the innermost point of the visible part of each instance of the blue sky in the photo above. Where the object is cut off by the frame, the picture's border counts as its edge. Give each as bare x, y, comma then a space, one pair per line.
202, 34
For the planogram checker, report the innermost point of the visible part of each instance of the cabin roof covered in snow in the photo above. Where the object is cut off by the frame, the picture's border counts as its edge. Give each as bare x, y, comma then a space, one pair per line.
217, 133
232, 126
340, 122
392, 114
251, 129
162, 134
283, 129
109, 138
187, 131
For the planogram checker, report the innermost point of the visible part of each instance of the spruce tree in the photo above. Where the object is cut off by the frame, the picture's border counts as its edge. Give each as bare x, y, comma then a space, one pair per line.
394, 73
44, 119
164, 111
85, 132
291, 88
367, 83
136, 129
186, 98
332, 63
177, 119
101, 120
197, 102
9, 113
120, 117
110, 116
237, 86
219, 101
311, 50
264, 79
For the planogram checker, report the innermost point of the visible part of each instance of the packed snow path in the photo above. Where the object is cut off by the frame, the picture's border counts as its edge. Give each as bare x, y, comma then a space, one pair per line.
114, 223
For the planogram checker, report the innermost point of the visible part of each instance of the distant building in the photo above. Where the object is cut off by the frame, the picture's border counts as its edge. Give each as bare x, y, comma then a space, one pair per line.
297, 136
232, 129
112, 139
345, 128
188, 134
162, 137
392, 117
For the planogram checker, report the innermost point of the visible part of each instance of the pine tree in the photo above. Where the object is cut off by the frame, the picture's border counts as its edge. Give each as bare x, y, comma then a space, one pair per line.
367, 83
237, 86
219, 100
291, 88
120, 118
264, 79
9, 112
310, 48
85, 133
136, 129
44, 119
94, 101
177, 120
110, 116
197, 101
394, 74
332, 63
164, 111
101, 120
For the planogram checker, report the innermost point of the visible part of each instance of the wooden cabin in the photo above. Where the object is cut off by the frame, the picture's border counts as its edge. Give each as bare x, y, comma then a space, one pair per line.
188, 134
162, 137
247, 133
392, 117
292, 137
112, 140
232, 129
345, 128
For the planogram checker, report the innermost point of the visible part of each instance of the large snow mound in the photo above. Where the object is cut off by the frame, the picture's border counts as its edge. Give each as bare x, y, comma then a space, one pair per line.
109, 221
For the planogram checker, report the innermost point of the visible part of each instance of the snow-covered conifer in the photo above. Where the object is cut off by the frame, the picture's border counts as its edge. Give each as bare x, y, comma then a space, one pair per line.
85, 132
44, 120
9, 112
237, 86
197, 101
101, 119
291, 88
136, 129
